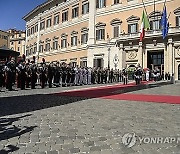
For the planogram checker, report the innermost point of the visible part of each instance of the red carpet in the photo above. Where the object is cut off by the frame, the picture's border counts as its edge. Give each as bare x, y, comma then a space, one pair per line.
111, 92
146, 98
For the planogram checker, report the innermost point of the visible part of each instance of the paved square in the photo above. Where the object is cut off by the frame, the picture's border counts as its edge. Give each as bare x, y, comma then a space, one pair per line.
42, 122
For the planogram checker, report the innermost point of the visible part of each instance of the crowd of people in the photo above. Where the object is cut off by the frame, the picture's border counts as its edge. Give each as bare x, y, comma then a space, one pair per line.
29, 74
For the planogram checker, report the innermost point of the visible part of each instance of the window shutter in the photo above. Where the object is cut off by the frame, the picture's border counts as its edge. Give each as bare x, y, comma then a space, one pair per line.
151, 25
105, 3
97, 3
97, 34
129, 28
103, 34
177, 21
136, 27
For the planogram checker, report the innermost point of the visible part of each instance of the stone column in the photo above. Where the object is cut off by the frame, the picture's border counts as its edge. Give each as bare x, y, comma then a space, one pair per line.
166, 62
170, 56
145, 59
140, 54
26, 40
122, 57
92, 14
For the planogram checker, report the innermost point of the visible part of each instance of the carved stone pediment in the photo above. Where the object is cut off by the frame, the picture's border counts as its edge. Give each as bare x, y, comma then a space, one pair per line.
177, 11
116, 21
133, 18
155, 14
74, 32
100, 24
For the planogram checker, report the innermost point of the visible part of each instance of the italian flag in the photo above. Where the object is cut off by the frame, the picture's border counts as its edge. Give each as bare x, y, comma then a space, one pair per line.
144, 25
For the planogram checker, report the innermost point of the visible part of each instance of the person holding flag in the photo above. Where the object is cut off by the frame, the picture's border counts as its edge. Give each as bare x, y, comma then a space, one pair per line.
144, 25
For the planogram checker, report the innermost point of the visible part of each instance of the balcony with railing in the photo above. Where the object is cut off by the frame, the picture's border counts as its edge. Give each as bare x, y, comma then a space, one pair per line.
148, 34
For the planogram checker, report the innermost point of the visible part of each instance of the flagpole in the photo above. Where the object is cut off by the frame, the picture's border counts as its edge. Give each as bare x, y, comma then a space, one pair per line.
154, 10
145, 9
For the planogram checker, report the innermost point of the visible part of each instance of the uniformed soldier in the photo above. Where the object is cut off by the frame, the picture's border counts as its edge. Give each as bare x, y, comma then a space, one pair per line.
33, 74
42, 75
76, 80
64, 74
105, 75
28, 75
138, 75
111, 75
50, 74
57, 74
89, 75
1, 75
98, 75
9, 75
125, 76
22, 69
73, 74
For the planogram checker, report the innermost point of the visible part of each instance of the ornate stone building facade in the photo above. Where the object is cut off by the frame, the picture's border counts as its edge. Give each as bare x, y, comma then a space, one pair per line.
104, 33
17, 40
4, 39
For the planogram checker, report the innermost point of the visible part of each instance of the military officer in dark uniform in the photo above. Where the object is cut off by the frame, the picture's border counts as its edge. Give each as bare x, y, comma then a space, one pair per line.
50, 74
33, 75
64, 74
9, 75
73, 74
1, 75
68, 79
42, 73
22, 69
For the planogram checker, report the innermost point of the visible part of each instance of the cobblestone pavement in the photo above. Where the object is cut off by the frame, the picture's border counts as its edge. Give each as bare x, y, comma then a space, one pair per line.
51, 124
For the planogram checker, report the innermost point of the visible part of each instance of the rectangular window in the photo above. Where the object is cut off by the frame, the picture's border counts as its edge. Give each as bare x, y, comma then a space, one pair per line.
64, 43
116, 1
178, 21
28, 32
85, 8
133, 28
41, 48
116, 31
65, 16
48, 23
32, 30
18, 49
74, 41
75, 12
47, 47
36, 28
84, 38
100, 3
100, 34
31, 51
35, 50
155, 25
55, 45
42, 25
56, 19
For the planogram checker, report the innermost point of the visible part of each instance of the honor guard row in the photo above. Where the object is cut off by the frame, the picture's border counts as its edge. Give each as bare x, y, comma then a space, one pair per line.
30, 74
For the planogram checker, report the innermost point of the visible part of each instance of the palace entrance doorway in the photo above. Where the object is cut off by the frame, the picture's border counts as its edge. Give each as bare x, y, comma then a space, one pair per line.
98, 63
155, 60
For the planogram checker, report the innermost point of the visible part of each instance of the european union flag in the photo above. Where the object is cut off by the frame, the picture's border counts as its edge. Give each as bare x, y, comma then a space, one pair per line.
164, 23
